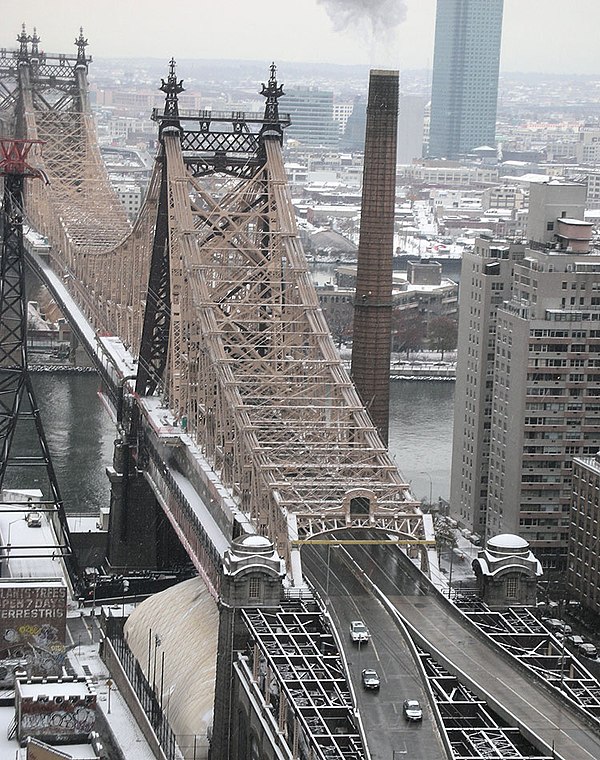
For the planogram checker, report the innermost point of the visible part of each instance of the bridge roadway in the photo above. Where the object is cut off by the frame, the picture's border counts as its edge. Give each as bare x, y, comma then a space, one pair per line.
454, 642
386, 730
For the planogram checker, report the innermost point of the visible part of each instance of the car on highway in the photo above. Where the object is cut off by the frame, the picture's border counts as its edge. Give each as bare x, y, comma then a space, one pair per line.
359, 632
553, 624
33, 519
370, 679
411, 709
588, 650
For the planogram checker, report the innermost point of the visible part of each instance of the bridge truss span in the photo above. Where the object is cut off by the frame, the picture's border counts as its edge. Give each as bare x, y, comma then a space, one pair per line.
210, 291
251, 362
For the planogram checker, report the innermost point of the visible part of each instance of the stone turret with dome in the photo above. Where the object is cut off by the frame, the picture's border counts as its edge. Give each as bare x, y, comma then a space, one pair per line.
507, 572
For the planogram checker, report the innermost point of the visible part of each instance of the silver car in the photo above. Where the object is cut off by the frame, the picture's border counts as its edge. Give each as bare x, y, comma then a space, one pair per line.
359, 632
412, 709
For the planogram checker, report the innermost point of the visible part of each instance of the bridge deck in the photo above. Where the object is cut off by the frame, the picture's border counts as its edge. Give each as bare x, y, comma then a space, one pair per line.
488, 673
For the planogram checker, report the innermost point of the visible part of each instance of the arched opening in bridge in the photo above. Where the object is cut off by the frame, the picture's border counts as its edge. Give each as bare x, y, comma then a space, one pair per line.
360, 505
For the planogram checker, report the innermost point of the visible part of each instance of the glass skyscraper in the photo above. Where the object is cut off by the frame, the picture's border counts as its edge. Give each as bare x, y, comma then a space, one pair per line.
464, 90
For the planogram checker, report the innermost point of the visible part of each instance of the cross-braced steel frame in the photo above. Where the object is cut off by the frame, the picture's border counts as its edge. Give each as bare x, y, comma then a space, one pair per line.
520, 633
17, 396
234, 339
296, 670
472, 729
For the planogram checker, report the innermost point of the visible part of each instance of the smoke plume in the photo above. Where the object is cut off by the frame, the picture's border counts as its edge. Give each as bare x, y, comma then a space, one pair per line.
380, 15
372, 22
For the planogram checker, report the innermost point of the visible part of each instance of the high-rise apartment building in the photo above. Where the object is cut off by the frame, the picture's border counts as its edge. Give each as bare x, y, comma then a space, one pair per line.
486, 280
583, 569
528, 377
464, 89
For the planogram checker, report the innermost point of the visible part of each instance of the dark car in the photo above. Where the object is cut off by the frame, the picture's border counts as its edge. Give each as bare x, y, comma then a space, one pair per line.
370, 678
412, 709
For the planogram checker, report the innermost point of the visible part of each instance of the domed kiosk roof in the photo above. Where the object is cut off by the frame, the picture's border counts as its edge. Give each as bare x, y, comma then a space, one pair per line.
254, 544
507, 553
508, 544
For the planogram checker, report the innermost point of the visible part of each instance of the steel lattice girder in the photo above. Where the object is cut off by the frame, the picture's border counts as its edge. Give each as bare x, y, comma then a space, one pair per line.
472, 728
525, 637
296, 664
13, 317
251, 364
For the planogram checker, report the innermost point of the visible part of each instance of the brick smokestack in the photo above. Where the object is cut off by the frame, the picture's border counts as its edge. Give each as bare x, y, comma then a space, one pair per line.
371, 350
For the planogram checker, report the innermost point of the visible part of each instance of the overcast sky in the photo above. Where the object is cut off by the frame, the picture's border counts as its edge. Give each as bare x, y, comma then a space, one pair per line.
539, 35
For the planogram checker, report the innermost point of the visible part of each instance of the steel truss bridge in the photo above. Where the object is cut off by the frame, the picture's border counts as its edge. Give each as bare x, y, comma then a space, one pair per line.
209, 292
209, 299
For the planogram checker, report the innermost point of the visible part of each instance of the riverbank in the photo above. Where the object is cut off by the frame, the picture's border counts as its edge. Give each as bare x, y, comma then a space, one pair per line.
60, 368
418, 370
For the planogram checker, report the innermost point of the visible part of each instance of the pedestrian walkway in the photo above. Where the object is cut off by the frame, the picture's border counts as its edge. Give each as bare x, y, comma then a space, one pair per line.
84, 659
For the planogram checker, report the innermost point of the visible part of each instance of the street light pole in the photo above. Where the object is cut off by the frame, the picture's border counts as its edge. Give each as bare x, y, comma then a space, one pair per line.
424, 472
157, 643
450, 573
327, 574
8, 544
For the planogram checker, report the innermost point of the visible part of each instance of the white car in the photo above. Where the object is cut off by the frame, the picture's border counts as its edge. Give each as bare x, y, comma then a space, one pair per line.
412, 709
33, 519
359, 632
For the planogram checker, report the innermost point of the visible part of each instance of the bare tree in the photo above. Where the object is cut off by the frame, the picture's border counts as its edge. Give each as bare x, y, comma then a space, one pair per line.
408, 330
443, 334
340, 318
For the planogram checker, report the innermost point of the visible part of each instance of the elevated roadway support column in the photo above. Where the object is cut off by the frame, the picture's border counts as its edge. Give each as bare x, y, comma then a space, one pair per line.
135, 515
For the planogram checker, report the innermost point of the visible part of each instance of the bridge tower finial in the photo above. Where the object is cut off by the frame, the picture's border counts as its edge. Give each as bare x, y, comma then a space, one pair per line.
81, 43
35, 40
23, 39
272, 92
172, 88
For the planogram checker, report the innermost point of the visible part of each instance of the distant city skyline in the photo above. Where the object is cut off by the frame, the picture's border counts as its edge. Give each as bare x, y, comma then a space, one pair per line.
539, 35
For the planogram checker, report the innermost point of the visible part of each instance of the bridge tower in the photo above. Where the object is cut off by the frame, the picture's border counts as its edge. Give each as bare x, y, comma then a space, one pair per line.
133, 504
17, 397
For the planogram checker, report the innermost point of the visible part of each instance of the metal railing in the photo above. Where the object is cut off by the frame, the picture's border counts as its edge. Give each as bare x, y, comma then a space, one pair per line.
143, 690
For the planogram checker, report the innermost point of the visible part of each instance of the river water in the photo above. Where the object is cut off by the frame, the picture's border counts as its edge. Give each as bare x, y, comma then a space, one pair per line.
80, 437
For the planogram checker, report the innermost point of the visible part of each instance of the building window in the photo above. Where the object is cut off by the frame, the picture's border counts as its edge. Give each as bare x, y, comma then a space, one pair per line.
254, 588
360, 505
512, 588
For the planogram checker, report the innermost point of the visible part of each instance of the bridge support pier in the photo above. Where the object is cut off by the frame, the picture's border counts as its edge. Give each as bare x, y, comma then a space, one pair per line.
140, 535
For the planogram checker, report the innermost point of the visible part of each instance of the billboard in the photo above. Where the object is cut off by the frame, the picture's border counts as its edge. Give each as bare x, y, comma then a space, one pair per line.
32, 613
62, 719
